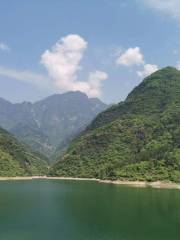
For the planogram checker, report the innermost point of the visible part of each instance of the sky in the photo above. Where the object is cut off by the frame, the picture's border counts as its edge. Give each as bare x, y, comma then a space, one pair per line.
103, 48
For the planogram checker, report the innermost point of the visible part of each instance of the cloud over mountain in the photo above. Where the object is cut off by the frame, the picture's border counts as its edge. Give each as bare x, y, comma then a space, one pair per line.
134, 57
147, 70
62, 62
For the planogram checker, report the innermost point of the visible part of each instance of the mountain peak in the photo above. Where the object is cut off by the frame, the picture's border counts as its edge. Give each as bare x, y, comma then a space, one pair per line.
168, 68
154, 94
61, 96
50, 122
159, 82
166, 71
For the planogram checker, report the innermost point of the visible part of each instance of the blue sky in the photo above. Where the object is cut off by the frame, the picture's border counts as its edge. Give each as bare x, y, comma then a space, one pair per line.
103, 47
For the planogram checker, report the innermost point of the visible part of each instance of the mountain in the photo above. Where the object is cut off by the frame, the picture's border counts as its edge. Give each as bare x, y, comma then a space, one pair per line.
17, 159
138, 139
50, 124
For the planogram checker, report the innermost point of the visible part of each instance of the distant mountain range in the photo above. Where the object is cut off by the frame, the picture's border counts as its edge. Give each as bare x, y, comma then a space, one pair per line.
49, 125
16, 159
138, 139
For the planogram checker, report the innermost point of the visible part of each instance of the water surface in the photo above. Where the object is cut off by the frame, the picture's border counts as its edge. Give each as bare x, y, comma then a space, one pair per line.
81, 210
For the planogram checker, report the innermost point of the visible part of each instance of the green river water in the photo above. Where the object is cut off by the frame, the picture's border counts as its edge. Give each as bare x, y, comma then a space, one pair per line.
84, 210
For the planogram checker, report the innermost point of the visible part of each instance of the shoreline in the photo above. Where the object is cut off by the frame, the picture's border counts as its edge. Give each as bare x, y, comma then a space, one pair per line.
142, 184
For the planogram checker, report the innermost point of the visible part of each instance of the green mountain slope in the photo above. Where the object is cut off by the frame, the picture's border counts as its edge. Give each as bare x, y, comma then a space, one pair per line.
138, 139
17, 160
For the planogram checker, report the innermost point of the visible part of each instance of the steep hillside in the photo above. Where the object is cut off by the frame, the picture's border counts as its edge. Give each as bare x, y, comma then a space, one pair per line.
17, 160
152, 96
138, 139
50, 124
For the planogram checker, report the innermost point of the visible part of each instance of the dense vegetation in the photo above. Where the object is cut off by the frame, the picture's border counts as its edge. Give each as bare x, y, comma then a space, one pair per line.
138, 139
18, 160
49, 125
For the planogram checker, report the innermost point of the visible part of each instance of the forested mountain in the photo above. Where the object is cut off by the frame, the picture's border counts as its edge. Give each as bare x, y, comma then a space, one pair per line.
50, 124
17, 159
138, 139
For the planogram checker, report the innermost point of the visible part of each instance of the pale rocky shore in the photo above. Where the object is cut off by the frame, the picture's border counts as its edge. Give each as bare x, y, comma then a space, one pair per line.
158, 184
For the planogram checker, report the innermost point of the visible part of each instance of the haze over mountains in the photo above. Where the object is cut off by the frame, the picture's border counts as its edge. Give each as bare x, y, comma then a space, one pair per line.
49, 125
138, 139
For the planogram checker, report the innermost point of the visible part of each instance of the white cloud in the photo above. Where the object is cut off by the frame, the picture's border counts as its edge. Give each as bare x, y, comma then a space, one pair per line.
25, 76
169, 7
63, 63
148, 69
132, 56
4, 47
94, 81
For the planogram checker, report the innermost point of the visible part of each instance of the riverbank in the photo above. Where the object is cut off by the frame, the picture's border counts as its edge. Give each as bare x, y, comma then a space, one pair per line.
158, 184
